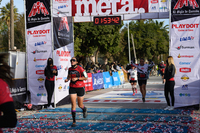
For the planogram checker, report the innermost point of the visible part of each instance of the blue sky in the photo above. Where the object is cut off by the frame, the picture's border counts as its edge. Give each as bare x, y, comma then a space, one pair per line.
20, 5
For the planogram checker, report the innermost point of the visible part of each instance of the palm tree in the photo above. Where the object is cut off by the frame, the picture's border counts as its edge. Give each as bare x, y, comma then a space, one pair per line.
5, 18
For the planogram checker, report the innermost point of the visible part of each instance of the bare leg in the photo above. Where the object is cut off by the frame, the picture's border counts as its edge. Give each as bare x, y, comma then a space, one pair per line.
80, 102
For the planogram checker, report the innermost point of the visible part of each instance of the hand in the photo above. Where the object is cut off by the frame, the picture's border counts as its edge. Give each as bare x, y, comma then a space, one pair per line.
54, 71
74, 79
164, 81
66, 80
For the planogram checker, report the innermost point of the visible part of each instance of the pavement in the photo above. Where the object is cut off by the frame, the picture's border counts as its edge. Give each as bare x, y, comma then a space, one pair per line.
114, 110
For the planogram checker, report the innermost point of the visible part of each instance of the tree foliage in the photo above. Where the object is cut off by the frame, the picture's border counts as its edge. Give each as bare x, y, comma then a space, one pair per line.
150, 38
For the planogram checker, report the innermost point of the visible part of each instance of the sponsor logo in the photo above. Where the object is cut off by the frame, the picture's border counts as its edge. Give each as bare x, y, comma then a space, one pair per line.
40, 43
185, 78
59, 67
185, 47
63, 24
60, 87
41, 87
63, 59
184, 95
185, 56
65, 88
115, 78
58, 78
40, 79
89, 79
41, 94
38, 33
39, 51
39, 59
185, 27
39, 65
40, 72
185, 87
107, 80
62, 6
163, 0
186, 3
189, 38
164, 7
63, 53
98, 81
154, 1
184, 63
61, 1
153, 8
95, 7
185, 70
38, 8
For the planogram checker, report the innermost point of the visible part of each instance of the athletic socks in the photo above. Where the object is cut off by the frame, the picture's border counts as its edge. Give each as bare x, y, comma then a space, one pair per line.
84, 112
74, 116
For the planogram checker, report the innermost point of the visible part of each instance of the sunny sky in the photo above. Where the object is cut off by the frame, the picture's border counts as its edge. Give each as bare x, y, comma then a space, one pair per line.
19, 4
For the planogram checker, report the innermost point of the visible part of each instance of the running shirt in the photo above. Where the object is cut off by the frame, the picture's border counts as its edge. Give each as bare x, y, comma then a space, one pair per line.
76, 72
133, 74
143, 70
51, 76
5, 95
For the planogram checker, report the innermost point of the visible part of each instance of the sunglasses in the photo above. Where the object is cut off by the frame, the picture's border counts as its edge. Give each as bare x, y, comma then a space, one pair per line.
73, 60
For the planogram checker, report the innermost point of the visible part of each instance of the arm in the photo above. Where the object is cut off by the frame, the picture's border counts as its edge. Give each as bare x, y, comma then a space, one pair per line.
151, 65
68, 77
172, 71
124, 70
9, 118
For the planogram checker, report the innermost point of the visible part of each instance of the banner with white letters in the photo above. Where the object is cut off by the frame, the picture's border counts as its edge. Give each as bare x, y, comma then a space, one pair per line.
184, 47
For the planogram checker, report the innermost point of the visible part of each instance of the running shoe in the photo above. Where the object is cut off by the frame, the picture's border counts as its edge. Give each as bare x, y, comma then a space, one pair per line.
167, 108
85, 113
171, 108
73, 125
134, 94
135, 90
143, 99
50, 107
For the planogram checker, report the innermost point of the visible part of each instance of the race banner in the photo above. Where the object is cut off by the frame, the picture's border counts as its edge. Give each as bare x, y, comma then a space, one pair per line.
85, 10
185, 50
97, 80
107, 79
63, 52
116, 79
39, 47
121, 76
88, 83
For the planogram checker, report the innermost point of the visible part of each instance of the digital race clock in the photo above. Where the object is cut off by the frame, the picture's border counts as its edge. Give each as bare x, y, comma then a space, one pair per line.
107, 20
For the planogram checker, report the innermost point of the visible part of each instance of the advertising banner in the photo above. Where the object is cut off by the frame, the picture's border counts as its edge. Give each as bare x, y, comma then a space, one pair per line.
39, 47
63, 52
116, 79
184, 48
97, 80
107, 79
121, 76
88, 83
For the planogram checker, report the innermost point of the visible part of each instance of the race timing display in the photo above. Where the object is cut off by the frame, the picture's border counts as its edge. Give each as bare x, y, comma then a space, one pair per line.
107, 20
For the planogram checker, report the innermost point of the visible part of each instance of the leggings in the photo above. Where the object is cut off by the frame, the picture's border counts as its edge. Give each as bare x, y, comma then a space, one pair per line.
49, 85
169, 89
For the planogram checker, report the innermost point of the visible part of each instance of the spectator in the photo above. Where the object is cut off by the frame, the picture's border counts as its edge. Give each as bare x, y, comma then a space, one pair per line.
8, 117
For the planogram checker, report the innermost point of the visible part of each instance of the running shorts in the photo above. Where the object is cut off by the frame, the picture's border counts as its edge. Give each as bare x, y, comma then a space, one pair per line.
141, 82
79, 91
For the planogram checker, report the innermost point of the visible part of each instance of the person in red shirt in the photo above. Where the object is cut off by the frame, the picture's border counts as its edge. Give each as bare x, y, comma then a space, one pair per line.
9, 117
50, 72
76, 75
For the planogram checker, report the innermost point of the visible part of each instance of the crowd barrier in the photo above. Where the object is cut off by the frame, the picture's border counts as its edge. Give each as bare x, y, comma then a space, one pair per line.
104, 80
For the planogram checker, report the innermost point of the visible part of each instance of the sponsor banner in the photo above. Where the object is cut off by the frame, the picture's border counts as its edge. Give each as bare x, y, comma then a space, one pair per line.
107, 79
158, 6
121, 76
39, 47
97, 80
62, 58
62, 8
186, 79
63, 31
185, 7
116, 79
88, 83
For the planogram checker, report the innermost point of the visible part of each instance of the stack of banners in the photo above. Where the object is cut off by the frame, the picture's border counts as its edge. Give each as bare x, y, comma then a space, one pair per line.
39, 47
121, 76
63, 52
88, 82
84, 10
185, 49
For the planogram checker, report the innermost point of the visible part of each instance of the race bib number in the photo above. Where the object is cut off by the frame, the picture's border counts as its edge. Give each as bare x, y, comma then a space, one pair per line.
133, 79
142, 75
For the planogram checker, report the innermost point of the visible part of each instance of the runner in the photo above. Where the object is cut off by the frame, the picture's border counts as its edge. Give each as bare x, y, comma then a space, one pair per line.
162, 69
76, 75
8, 117
169, 82
132, 78
142, 70
50, 72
